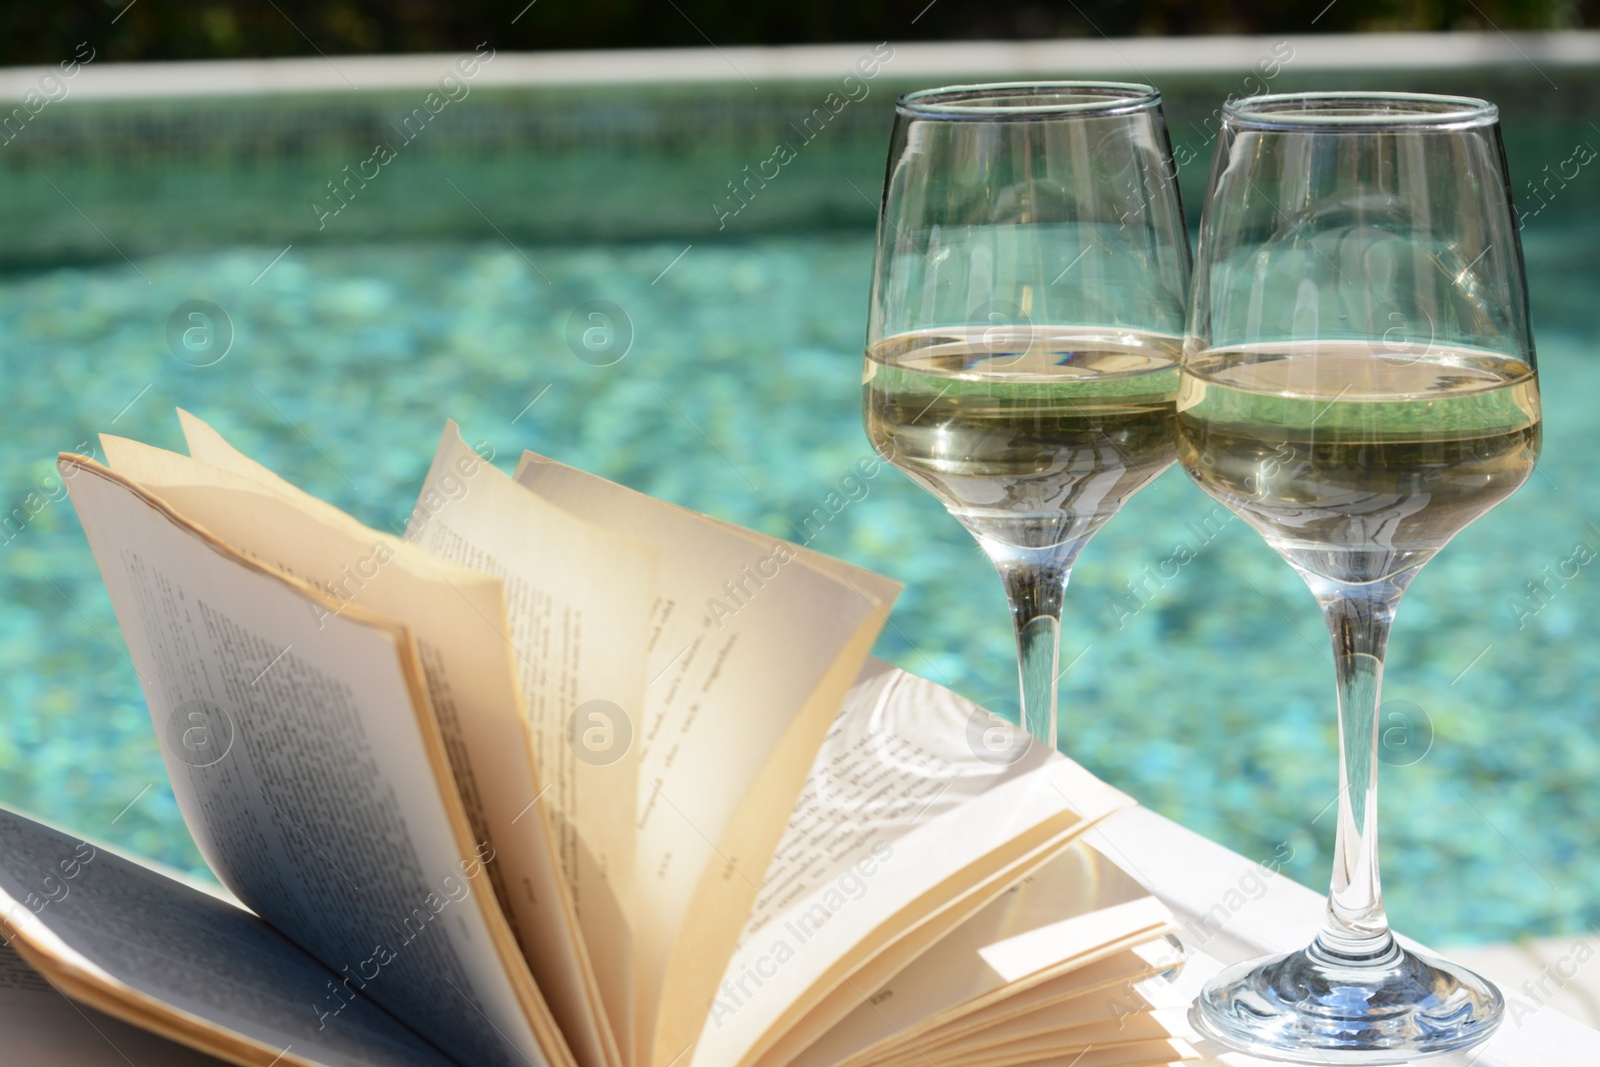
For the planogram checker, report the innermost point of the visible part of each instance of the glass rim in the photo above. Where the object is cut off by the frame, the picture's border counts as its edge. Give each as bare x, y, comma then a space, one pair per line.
1099, 99
1366, 111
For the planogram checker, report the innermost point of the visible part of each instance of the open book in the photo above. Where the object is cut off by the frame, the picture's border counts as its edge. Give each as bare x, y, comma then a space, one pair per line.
565, 777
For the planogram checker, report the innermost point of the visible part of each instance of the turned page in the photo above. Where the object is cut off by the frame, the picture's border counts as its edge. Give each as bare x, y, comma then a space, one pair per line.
160, 955
754, 643
1123, 979
309, 767
476, 666
1078, 923
578, 599
920, 807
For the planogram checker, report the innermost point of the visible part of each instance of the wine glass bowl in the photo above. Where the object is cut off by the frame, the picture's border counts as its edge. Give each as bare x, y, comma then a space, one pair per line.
1023, 341
1358, 383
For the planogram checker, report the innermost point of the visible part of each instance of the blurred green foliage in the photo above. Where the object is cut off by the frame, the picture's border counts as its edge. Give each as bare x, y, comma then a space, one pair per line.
184, 29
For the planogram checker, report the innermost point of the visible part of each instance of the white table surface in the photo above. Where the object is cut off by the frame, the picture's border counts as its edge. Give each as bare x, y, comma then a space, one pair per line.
1192, 875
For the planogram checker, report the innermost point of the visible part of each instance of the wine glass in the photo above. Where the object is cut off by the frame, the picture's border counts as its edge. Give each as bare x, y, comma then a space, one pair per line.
1022, 346
1358, 384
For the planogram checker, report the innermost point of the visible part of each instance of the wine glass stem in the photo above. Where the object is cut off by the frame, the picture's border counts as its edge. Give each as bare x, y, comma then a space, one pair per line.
1035, 590
1356, 930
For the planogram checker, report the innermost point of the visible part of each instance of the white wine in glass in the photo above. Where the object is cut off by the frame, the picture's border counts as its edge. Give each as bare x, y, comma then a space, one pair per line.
1358, 465
1034, 436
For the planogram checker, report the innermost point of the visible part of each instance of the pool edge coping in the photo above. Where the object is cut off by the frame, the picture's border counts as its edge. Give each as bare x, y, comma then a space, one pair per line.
945, 63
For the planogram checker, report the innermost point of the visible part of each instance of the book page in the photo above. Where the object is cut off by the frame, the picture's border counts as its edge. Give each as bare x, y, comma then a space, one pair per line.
307, 762
1132, 1007
1155, 1053
911, 820
458, 617
157, 953
1148, 1052
578, 599
44, 1029
1117, 976
1058, 927
1073, 1030
1063, 1029
753, 646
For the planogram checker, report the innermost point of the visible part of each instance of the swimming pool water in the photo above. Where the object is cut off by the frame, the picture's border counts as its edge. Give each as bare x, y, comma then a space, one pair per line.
1205, 690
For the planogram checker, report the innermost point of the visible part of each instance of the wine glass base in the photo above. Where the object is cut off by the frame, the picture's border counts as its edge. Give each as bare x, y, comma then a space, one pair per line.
1308, 1007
